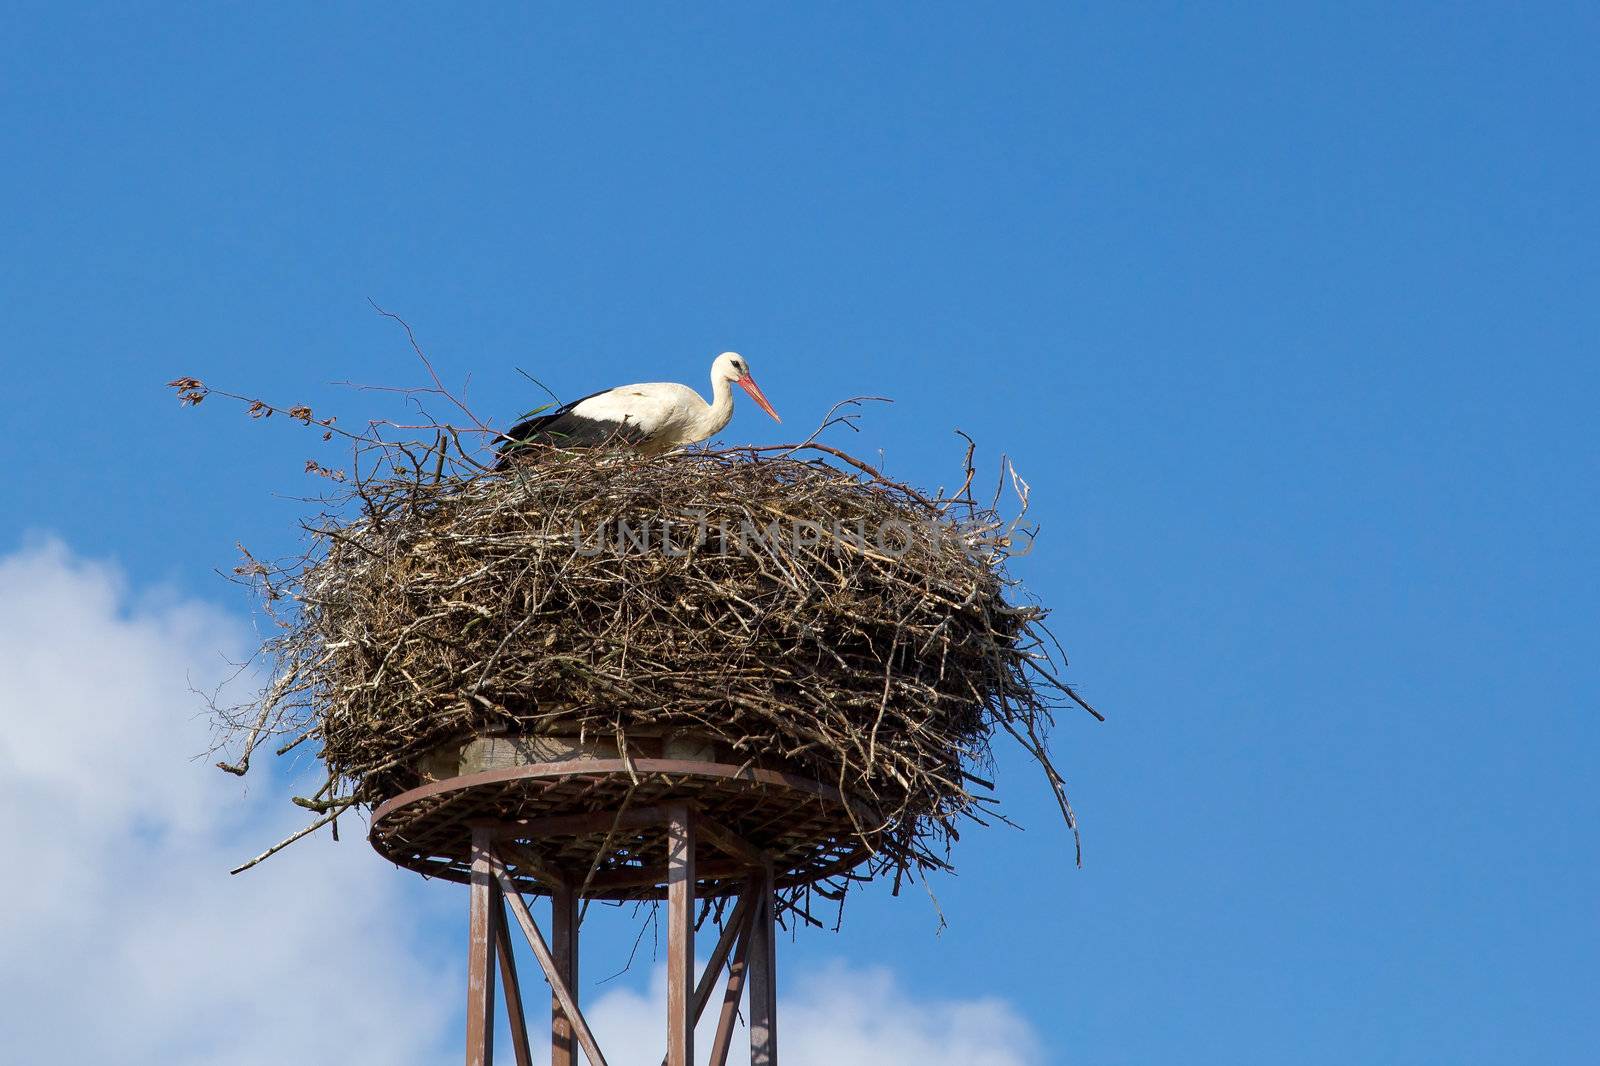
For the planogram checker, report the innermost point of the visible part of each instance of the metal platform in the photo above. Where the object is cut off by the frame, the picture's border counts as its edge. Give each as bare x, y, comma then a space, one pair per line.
597, 824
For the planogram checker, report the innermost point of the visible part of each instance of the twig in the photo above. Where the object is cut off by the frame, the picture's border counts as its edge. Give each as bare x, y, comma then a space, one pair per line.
292, 837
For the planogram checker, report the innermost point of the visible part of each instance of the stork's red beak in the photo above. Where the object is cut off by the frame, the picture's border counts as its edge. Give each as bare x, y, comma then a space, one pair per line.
749, 385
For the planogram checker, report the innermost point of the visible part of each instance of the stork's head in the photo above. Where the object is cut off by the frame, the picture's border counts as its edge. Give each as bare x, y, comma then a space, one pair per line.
731, 366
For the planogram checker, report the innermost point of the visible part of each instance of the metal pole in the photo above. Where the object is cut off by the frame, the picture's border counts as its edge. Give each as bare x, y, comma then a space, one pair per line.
515, 1016
564, 949
680, 935
731, 997
762, 977
480, 952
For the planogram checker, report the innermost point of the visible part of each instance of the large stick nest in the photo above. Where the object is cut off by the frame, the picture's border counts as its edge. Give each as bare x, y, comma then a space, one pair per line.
797, 606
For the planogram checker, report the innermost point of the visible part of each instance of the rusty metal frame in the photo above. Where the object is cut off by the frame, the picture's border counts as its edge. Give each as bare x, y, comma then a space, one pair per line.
436, 807
746, 946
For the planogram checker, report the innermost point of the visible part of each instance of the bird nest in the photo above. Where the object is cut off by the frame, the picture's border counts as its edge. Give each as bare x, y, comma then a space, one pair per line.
795, 609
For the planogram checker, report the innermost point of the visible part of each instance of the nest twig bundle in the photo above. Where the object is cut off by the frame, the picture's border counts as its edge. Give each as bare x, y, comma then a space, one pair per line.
791, 604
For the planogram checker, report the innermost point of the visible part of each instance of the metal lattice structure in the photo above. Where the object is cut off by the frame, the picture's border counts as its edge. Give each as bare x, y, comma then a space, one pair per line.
675, 829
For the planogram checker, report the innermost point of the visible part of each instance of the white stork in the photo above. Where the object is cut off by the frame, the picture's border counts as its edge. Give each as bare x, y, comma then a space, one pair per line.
654, 417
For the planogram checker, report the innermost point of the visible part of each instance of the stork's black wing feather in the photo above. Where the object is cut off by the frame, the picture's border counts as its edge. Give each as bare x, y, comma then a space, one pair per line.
529, 427
560, 428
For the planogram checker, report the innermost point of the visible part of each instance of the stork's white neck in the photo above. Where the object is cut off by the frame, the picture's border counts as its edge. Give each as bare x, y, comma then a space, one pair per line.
720, 412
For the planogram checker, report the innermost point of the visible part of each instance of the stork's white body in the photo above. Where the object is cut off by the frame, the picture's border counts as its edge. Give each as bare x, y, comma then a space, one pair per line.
664, 414
655, 416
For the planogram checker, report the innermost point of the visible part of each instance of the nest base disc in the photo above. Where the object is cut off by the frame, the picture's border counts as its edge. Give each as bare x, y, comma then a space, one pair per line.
595, 822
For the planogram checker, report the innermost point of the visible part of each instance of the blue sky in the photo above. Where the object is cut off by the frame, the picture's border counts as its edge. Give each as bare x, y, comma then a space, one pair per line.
1287, 312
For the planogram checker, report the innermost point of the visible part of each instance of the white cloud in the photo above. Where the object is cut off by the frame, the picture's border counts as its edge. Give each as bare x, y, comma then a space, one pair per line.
125, 940
838, 1016
123, 936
